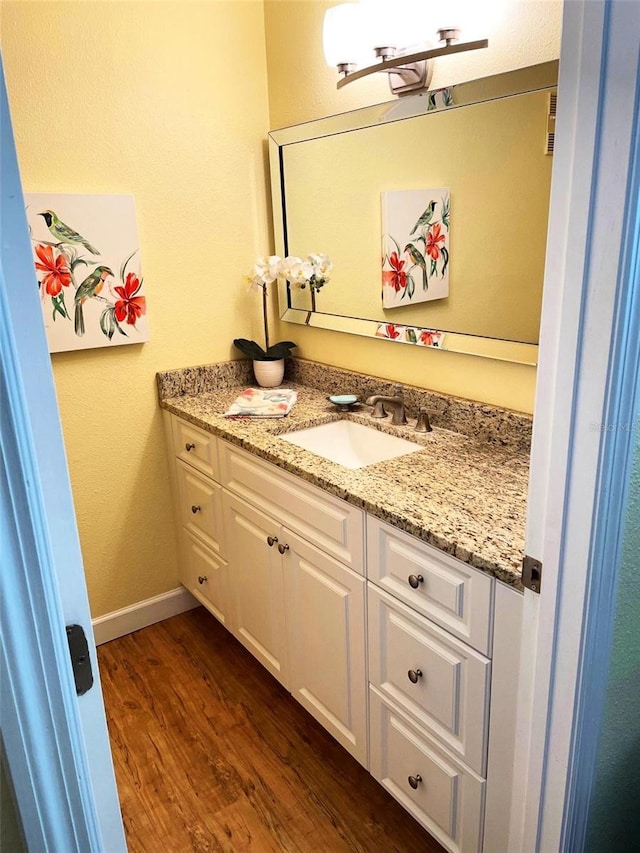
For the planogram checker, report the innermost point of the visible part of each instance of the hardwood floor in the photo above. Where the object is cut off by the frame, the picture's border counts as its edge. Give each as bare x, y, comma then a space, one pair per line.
212, 754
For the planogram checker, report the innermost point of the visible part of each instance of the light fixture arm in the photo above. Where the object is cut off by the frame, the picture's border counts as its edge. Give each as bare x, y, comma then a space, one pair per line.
413, 68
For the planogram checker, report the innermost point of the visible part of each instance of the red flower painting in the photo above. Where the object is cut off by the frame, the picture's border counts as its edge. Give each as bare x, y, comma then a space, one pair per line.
129, 308
55, 267
396, 277
433, 239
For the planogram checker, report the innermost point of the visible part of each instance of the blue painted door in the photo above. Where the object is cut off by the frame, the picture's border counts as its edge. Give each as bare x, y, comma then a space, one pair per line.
56, 742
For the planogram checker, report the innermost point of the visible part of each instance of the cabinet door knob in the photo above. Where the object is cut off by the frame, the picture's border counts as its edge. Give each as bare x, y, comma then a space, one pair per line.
271, 541
283, 548
202, 579
195, 508
189, 446
414, 781
414, 675
415, 581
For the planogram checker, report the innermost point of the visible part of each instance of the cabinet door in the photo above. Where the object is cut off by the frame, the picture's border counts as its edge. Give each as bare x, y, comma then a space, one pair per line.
255, 576
326, 638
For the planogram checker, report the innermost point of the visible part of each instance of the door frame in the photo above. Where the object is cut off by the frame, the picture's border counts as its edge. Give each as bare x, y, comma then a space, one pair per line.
581, 451
56, 743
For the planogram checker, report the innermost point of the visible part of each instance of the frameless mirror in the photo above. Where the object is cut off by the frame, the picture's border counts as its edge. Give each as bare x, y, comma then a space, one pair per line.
489, 143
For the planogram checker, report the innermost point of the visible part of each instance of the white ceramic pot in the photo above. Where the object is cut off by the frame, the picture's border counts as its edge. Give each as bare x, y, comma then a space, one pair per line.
269, 374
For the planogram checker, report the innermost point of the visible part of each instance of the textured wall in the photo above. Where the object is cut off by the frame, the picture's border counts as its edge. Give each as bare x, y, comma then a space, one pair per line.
302, 88
141, 98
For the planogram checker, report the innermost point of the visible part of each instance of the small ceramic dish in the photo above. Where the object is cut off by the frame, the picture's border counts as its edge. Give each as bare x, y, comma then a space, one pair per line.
343, 401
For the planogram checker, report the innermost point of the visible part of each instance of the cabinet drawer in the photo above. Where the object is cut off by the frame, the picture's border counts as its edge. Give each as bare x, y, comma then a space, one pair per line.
196, 447
449, 695
331, 524
448, 799
205, 575
201, 507
450, 593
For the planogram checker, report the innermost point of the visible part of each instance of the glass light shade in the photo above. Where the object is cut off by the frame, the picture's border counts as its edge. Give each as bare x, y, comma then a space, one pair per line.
474, 20
393, 23
342, 24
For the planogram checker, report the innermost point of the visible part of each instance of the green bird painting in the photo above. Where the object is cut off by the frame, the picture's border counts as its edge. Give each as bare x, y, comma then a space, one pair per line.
90, 287
425, 218
63, 233
419, 260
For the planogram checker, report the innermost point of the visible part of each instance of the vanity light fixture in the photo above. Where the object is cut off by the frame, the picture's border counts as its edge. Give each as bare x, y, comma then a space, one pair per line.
350, 29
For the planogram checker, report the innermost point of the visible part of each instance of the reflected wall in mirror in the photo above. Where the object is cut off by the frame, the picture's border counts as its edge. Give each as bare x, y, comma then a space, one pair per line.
489, 148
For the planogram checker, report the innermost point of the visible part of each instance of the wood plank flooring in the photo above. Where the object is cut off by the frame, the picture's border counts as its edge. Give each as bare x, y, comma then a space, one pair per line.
212, 754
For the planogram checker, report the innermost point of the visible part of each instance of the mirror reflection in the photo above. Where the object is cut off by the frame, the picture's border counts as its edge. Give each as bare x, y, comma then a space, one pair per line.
487, 144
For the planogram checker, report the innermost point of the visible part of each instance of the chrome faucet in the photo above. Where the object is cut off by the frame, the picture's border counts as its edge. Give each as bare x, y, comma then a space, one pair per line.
378, 401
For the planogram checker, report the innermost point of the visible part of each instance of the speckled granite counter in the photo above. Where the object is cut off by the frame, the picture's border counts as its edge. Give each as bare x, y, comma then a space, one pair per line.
464, 496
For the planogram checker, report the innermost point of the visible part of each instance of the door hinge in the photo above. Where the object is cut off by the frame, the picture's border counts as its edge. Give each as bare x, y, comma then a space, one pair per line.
80, 658
532, 573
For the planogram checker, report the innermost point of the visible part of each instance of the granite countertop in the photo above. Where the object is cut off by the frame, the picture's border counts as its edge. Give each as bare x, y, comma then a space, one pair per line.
463, 496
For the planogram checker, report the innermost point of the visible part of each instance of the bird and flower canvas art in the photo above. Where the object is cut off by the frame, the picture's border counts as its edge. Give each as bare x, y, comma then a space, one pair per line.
415, 246
87, 261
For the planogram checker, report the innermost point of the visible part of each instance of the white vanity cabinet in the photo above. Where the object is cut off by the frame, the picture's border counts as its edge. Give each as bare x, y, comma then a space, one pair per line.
407, 656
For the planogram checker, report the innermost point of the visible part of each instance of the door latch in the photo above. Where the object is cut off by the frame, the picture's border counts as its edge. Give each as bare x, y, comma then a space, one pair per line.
532, 574
80, 659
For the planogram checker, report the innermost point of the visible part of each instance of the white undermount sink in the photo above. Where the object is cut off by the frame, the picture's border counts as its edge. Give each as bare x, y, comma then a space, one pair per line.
351, 444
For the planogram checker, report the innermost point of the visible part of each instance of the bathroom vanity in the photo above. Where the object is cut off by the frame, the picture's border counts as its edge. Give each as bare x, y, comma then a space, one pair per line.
386, 599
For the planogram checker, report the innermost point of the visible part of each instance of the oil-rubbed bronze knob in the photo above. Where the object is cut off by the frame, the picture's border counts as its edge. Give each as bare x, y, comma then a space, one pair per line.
414, 675
283, 548
271, 541
202, 579
189, 446
414, 781
415, 581
195, 509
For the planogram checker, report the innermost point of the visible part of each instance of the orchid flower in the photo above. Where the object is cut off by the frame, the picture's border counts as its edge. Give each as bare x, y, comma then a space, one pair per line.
313, 271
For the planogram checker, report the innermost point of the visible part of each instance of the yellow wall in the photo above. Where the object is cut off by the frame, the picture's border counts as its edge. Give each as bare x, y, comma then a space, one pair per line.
148, 98
145, 98
302, 88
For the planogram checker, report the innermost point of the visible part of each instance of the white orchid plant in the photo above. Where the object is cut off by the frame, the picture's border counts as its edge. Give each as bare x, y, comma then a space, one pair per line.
312, 272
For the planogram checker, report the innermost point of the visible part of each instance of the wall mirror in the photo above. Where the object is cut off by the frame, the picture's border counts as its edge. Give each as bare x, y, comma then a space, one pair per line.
489, 142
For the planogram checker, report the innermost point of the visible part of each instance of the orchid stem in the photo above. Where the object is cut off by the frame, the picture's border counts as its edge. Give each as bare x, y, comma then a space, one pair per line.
264, 314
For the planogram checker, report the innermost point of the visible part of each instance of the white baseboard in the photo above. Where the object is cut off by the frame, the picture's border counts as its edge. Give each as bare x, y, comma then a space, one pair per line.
142, 614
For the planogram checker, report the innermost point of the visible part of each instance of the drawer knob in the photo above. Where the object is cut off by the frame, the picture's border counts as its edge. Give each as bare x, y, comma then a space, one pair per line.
202, 579
195, 508
415, 581
283, 548
414, 675
189, 446
414, 781
271, 541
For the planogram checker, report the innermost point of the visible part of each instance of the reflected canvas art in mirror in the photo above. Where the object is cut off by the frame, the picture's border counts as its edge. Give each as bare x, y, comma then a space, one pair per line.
415, 246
